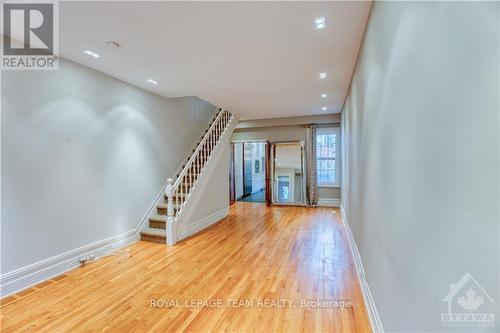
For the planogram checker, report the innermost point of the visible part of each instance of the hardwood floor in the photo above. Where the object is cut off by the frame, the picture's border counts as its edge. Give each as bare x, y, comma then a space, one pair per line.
266, 257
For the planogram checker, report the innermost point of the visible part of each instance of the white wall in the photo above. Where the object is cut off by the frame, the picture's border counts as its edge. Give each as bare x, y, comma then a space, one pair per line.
83, 156
421, 166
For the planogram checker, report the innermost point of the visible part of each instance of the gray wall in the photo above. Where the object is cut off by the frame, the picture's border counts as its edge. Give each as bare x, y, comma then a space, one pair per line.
83, 157
420, 179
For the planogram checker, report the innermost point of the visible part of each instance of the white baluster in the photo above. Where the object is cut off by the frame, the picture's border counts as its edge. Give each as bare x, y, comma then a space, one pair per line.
182, 191
195, 167
202, 158
199, 162
191, 173
184, 185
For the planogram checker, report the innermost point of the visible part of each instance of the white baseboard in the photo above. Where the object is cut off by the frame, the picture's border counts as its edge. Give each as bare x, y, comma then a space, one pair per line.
33, 274
327, 202
205, 222
369, 302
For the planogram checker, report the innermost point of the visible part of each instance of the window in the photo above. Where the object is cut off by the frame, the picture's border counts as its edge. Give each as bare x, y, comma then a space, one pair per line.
327, 156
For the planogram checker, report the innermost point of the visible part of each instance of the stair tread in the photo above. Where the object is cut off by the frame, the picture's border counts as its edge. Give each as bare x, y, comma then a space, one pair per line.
153, 232
158, 218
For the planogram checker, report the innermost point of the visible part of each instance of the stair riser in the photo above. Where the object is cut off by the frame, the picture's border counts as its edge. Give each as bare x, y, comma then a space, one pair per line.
157, 224
154, 239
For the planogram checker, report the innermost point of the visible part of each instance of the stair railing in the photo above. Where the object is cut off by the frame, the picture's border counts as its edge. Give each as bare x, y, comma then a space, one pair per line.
177, 192
200, 134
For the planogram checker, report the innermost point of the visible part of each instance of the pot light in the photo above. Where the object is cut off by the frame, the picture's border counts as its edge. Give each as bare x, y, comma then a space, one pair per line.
152, 81
323, 108
322, 76
320, 22
90, 53
324, 95
112, 44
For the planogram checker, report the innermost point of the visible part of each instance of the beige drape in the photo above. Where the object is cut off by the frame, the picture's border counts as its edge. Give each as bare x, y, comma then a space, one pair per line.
311, 167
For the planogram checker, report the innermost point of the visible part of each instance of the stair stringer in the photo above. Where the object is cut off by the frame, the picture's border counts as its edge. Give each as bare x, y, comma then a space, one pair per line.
178, 230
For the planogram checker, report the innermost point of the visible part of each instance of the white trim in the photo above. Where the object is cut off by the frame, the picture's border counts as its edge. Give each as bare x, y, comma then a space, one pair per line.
33, 274
365, 288
328, 202
204, 222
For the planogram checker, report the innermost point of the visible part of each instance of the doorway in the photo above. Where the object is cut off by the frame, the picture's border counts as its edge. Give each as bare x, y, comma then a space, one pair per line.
250, 171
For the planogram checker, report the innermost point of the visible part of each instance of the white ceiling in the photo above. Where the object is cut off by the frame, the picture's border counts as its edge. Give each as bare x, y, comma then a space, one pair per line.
259, 60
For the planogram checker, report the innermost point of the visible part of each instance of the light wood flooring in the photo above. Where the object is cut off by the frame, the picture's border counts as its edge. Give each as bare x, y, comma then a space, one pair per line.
268, 261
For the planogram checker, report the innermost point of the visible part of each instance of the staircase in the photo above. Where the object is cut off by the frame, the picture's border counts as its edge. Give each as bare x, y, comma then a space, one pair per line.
167, 220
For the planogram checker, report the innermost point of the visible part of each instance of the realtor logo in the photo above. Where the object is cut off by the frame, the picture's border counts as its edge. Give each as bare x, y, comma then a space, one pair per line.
467, 305
30, 35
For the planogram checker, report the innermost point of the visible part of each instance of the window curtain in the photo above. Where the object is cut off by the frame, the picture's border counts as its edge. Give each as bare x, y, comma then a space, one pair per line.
311, 167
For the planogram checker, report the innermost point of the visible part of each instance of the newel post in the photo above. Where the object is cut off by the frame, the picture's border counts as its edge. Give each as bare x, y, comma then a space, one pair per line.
169, 192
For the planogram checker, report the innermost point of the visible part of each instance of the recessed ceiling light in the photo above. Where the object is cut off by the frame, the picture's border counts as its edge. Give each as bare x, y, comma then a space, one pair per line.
322, 75
320, 22
112, 44
90, 53
152, 81
324, 95
323, 108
